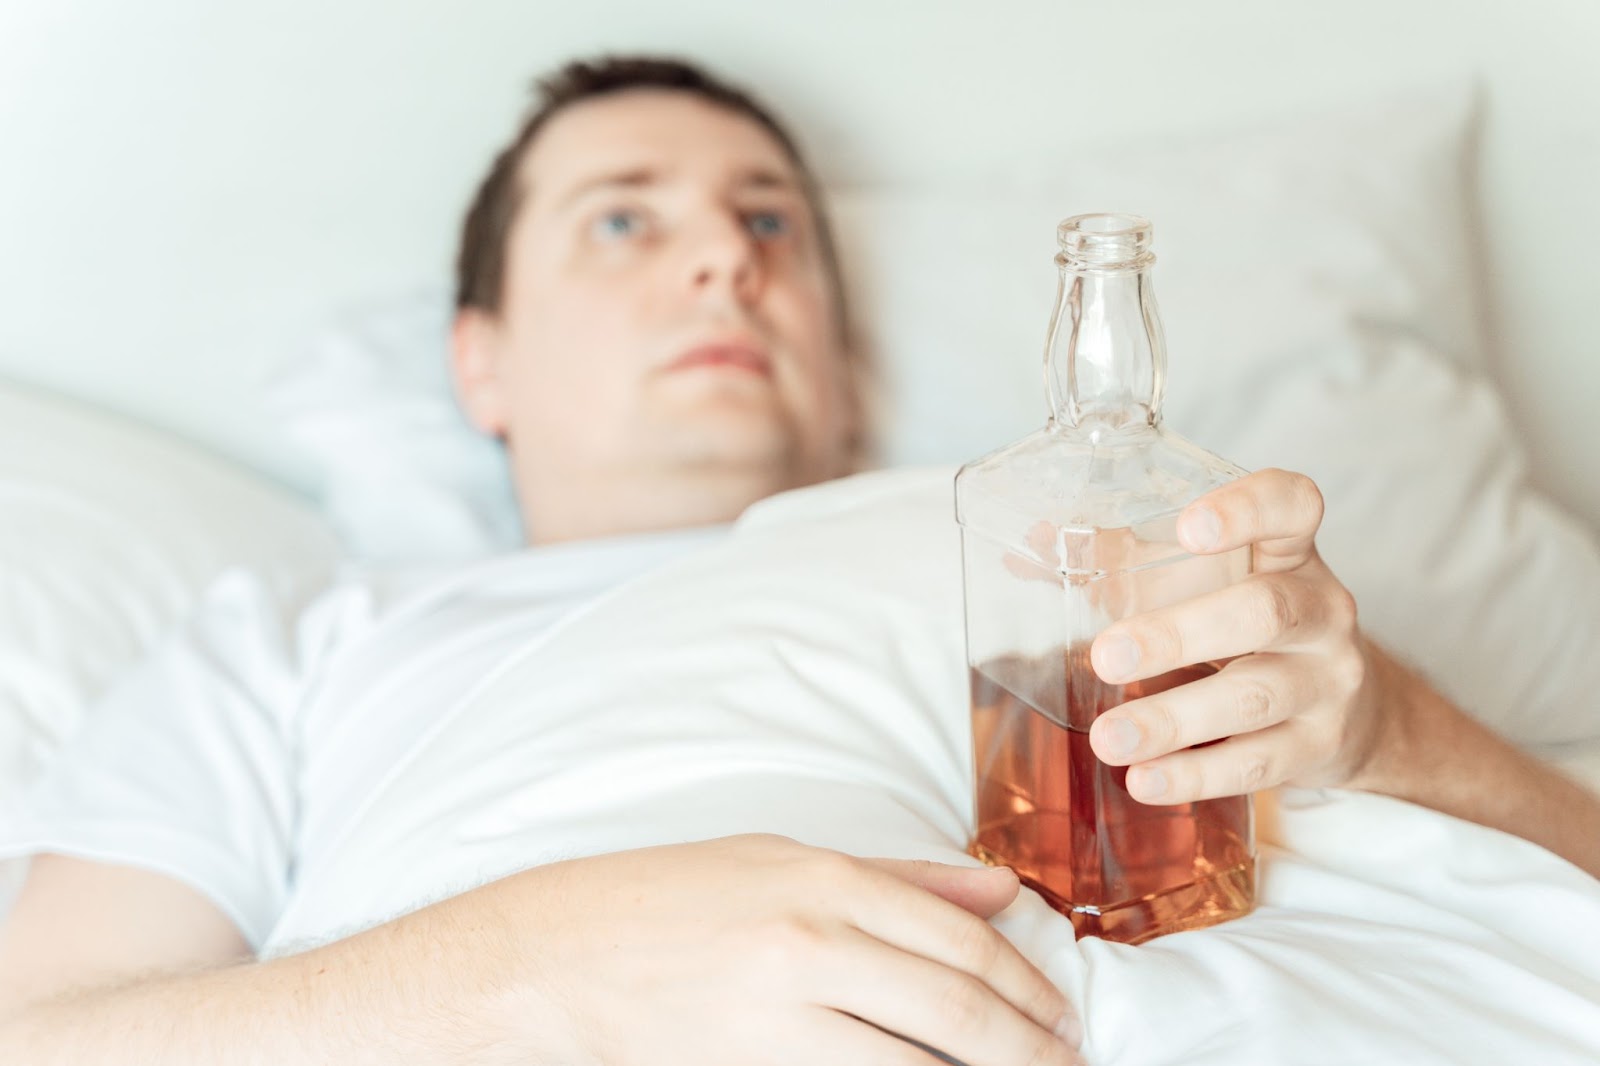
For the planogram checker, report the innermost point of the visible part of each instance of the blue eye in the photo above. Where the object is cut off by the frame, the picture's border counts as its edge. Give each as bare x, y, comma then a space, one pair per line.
616, 225
765, 225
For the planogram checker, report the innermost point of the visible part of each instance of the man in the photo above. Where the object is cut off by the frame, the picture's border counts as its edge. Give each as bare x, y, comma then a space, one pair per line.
650, 316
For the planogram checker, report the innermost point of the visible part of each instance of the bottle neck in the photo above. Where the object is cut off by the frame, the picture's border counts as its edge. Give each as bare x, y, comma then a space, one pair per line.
1106, 358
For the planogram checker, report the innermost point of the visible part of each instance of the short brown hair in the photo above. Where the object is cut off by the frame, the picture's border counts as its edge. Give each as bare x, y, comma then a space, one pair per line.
481, 261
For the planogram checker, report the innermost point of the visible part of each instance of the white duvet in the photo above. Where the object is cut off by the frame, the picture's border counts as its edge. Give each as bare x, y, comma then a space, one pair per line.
806, 676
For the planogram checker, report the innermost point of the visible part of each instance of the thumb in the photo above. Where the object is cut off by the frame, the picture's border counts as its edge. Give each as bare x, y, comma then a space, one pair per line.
983, 890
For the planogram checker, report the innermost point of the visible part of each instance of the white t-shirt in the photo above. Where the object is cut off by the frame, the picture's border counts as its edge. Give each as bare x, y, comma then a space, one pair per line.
234, 755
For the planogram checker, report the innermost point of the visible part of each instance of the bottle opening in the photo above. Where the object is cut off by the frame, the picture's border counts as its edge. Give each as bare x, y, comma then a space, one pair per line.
1105, 242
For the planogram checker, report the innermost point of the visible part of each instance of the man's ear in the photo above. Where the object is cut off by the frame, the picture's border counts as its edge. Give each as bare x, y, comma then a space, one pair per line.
476, 359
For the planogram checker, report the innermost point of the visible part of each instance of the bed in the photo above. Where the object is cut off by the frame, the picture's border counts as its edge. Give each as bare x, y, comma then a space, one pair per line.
230, 356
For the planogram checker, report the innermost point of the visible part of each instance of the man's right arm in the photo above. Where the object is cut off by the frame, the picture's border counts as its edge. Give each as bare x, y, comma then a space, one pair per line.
103, 963
743, 950
80, 924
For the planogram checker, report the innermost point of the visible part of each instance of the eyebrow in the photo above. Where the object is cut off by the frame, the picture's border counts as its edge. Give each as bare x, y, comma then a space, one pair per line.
643, 177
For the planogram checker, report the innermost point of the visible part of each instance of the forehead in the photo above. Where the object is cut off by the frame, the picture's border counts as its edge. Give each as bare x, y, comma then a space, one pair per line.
675, 134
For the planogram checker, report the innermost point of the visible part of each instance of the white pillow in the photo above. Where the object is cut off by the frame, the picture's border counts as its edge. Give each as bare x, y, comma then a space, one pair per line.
108, 533
405, 478
1269, 244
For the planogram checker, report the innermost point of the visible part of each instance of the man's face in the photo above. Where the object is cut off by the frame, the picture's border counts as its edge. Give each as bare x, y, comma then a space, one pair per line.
666, 307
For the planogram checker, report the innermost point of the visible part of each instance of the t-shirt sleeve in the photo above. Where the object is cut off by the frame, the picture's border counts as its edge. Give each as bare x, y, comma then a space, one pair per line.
186, 767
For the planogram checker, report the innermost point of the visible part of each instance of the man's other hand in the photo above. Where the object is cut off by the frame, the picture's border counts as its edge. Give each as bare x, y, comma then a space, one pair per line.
758, 949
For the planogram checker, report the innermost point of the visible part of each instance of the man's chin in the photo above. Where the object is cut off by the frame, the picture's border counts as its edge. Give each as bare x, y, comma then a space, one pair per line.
758, 452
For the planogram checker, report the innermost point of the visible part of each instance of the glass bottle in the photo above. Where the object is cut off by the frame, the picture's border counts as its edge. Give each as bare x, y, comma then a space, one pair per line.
1064, 532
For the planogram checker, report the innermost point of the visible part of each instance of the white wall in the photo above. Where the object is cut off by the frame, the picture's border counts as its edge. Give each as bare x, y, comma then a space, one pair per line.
187, 187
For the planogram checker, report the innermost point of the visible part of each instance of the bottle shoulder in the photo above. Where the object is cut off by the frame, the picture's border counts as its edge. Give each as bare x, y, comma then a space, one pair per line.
1080, 480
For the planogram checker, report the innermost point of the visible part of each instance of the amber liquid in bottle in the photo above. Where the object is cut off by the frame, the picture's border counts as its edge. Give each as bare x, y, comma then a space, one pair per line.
1064, 821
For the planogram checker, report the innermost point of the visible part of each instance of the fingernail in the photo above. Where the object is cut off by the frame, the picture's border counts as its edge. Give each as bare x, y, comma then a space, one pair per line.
1070, 1030
1119, 736
1202, 528
1120, 657
1152, 782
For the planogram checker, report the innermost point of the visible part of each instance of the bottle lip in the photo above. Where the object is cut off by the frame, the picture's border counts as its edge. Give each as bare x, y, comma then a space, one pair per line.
1105, 241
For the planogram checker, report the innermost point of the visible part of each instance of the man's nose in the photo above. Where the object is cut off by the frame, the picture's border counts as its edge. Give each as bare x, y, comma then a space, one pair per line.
725, 256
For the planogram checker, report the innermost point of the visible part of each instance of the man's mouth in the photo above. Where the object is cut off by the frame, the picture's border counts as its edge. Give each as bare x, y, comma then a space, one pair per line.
730, 356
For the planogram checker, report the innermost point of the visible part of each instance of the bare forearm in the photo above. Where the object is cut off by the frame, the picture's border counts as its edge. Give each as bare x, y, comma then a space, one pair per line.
427, 987
1434, 755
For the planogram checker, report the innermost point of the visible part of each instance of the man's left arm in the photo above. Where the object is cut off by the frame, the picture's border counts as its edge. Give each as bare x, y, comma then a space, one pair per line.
1436, 755
1305, 698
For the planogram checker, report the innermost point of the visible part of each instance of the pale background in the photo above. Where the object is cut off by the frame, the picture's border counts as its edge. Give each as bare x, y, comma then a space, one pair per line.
188, 188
